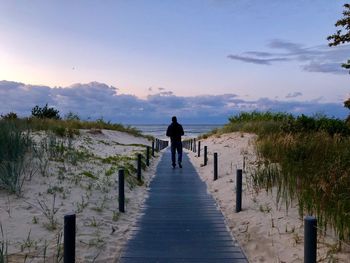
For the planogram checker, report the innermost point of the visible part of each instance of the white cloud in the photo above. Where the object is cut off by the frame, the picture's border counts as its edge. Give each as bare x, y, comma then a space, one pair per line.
322, 58
95, 100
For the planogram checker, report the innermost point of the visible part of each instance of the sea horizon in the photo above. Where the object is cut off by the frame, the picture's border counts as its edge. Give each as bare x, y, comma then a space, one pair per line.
191, 130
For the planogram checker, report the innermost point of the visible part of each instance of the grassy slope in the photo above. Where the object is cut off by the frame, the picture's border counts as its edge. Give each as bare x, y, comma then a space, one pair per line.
307, 159
21, 157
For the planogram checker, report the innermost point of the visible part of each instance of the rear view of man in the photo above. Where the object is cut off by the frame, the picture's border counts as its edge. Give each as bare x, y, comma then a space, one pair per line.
175, 131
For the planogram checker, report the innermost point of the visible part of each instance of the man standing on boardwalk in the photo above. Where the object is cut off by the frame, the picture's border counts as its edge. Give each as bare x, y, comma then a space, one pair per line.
175, 131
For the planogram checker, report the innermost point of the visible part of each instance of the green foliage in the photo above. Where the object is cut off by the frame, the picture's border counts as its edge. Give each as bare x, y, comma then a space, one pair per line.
316, 124
313, 169
55, 189
45, 113
342, 37
111, 171
117, 159
10, 116
347, 103
89, 175
70, 116
50, 213
305, 159
70, 127
115, 216
14, 144
59, 130
267, 122
260, 116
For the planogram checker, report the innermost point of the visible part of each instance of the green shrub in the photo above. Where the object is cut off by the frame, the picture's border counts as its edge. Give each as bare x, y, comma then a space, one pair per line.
59, 131
266, 123
70, 116
45, 113
10, 116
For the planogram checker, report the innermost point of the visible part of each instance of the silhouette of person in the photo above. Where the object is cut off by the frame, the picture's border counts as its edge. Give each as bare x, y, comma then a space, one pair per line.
175, 131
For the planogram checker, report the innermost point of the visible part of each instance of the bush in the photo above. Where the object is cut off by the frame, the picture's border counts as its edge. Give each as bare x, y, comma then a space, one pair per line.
71, 116
10, 116
266, 123
45, 113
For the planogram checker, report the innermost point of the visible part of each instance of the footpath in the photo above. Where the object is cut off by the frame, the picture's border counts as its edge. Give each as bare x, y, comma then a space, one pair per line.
180, 222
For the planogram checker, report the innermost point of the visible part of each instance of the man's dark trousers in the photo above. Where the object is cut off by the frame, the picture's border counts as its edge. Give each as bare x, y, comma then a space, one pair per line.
176, 146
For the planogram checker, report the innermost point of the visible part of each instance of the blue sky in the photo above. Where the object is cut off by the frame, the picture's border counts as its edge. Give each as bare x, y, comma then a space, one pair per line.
168, 56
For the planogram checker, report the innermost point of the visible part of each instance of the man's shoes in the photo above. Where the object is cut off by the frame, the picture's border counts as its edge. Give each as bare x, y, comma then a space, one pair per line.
173, 165
180, 165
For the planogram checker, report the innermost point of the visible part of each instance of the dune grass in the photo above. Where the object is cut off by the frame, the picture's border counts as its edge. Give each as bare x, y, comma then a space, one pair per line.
53, 153
71, 127
307, 159
15, 143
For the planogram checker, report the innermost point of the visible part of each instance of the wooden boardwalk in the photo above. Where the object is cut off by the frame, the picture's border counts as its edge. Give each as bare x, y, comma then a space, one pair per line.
181, 222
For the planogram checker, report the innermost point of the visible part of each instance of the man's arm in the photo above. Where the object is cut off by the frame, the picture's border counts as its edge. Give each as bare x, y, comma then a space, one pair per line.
182, 131
168, 132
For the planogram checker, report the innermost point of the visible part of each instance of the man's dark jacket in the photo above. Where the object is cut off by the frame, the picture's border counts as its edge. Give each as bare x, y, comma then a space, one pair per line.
175, 131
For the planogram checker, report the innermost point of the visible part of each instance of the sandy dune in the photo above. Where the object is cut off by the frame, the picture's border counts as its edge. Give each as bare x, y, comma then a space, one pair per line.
266, 232
84, 182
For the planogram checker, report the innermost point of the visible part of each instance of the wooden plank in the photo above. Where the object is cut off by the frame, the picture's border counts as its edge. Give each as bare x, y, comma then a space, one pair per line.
180, 222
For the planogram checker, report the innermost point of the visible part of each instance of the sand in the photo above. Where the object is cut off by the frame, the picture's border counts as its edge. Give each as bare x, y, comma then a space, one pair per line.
266, 232
82, 183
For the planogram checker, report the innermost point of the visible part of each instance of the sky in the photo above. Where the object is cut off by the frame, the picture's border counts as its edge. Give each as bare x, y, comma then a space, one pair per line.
138, 61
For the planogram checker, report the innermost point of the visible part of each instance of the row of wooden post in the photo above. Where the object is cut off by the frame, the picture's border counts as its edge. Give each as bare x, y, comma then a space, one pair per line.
69, 232
161, 144
310, 222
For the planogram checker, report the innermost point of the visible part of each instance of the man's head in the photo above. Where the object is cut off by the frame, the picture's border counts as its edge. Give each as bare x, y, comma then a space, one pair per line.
174, 119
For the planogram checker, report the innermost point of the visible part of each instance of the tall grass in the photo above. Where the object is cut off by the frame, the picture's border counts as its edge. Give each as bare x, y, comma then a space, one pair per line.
14, 144
307, 159
71, 127
313, 168
3, 247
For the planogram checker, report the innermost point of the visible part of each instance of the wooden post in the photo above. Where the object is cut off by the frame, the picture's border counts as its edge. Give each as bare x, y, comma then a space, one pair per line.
215, 166
147, 155
69, 238
238, 190
121, 191
139, 157
199, 148
310, 239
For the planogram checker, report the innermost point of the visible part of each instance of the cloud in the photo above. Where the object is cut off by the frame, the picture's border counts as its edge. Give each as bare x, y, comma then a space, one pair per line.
323, 67
256, 60
322, 58
259, 54
294, 95
286, 45
95, 100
